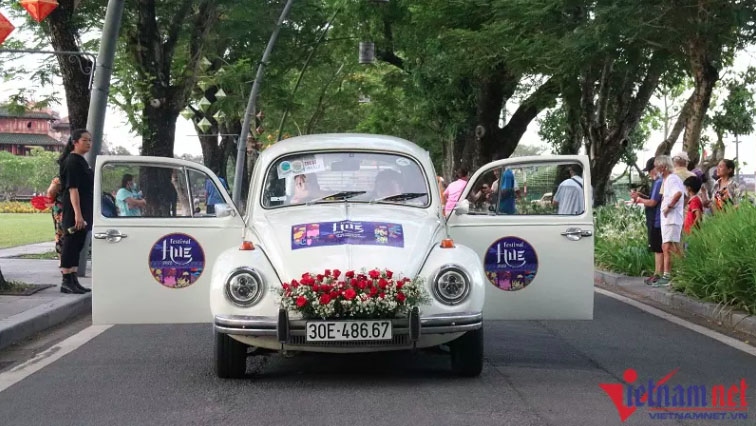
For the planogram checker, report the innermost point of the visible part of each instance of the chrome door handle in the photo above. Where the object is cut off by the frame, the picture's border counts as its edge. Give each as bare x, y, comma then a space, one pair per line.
574, 234
112, 235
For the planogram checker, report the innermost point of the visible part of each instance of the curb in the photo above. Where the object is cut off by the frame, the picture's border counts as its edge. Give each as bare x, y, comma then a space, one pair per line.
722, 315
42, 317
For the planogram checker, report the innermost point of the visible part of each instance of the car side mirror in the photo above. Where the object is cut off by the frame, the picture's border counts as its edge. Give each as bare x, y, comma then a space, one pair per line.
462, 207
224, 210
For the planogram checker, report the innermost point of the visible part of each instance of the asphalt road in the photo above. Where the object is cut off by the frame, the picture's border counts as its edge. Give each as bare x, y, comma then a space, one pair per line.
536, 373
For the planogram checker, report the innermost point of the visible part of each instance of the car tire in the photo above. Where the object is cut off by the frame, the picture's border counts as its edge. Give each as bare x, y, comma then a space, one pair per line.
467, 354
230, 357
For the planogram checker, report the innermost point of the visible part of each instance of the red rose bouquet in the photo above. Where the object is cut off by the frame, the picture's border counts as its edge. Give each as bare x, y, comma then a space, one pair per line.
366, 295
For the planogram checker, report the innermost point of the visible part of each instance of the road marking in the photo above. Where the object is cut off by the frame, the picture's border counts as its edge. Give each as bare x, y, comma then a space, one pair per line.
43, 359
727, 340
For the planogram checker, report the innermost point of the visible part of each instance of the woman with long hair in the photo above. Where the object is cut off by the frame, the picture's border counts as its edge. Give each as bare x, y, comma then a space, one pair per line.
727, 189
77, 182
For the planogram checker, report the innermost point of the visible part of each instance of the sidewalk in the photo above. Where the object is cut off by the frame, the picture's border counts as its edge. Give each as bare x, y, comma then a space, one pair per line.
635, 288
24, 316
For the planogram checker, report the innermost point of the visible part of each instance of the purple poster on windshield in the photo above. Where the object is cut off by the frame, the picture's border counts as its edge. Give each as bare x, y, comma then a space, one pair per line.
346, 232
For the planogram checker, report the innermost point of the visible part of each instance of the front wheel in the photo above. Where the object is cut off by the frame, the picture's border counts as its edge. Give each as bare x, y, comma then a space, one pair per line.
467, 354
230, 357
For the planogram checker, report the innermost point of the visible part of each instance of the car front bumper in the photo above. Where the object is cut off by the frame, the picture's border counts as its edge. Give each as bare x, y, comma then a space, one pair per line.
293, 331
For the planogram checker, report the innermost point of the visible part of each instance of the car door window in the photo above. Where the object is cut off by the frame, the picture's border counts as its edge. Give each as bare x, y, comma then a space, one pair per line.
132, 190
532, 189
205, 194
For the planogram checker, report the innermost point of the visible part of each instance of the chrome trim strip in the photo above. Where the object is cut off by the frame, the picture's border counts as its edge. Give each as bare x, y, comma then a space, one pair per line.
266, 326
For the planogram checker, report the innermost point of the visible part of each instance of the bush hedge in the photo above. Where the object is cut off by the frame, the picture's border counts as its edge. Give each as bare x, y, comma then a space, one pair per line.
719, 264
621, 243
720, 261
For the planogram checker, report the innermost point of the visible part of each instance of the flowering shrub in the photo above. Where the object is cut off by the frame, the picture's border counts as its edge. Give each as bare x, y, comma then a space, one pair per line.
373, 294
19, 207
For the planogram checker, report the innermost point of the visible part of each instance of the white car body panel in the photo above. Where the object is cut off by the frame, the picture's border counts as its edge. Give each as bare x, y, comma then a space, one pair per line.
125, 292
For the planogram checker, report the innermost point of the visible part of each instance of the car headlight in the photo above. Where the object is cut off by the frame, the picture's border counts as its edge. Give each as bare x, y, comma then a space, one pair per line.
244, 287
451, 285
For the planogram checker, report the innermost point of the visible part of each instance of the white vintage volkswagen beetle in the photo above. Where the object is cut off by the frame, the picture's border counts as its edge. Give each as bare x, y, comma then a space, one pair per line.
334, 201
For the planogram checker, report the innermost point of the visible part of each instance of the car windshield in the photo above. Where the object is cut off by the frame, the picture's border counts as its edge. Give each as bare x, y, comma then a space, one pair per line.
355, 177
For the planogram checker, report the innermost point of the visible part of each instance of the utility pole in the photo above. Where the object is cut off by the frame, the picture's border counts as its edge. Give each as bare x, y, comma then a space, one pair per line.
98, 102
249, 115
737, 157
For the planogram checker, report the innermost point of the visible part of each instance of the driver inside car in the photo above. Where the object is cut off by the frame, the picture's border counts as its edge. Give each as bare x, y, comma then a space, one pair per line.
388, 183
306, 188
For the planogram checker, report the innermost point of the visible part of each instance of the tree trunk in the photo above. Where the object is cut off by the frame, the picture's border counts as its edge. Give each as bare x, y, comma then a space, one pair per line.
507, 138
574, 138
157, 140
607, 133
153, 50
665, 147
75, 70
228, 144
602, 165
705, 76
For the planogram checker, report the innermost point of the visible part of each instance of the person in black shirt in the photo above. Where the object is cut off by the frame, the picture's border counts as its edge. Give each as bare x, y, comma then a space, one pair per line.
77, 181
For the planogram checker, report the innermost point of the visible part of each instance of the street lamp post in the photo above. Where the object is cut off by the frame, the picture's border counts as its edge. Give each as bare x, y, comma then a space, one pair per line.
250, 113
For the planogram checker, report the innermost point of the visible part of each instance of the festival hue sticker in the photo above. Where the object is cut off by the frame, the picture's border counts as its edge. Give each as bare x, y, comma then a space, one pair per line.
346, 232
511, 263
176, 260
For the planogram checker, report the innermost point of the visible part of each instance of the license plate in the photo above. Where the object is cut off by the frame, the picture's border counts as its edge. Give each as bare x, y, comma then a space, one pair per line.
339, 331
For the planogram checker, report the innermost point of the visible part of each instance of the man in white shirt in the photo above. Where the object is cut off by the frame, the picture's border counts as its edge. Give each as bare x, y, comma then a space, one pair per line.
569, 195
672, 206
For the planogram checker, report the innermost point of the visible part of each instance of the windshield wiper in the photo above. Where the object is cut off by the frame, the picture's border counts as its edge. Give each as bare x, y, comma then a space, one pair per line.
400, 197
343, 195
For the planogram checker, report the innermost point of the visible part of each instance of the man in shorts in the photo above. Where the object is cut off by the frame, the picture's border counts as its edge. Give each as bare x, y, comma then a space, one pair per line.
672, 207
652, 204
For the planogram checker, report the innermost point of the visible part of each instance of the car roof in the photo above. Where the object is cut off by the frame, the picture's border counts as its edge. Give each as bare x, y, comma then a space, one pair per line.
342, 141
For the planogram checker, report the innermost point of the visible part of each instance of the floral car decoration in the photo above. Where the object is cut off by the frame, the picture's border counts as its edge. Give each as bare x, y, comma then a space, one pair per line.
365, 295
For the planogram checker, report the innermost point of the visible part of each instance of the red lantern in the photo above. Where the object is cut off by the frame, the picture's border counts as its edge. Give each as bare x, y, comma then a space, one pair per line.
5, 28
39, 9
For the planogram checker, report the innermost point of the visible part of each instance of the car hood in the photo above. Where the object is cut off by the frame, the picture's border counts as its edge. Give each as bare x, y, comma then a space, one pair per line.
346, 236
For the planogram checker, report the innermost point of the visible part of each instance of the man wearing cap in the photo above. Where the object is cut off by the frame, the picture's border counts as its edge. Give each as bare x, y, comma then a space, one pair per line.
652, 204
681, 160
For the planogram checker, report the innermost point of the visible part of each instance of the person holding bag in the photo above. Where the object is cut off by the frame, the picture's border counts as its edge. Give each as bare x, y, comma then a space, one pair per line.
77, 182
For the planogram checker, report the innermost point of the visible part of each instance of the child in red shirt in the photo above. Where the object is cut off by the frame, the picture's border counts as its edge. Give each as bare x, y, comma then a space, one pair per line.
695, 205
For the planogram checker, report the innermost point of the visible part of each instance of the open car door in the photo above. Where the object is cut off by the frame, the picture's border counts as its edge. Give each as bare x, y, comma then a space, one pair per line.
155, 239
530, 220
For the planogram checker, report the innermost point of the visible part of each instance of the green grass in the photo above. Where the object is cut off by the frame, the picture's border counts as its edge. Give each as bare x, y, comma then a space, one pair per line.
50, 255
18, 229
